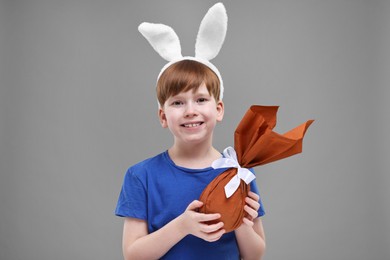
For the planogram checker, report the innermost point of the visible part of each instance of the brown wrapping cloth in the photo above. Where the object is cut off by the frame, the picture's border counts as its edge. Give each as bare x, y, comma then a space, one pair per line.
255, 144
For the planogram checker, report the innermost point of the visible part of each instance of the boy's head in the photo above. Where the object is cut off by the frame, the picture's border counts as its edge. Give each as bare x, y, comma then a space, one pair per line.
186, 75
189, 98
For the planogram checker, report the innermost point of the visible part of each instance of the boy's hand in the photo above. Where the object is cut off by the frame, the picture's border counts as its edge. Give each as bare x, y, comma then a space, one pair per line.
251, 207
193, 223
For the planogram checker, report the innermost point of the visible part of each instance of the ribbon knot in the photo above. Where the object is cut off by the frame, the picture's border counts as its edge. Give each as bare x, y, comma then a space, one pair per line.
230, 161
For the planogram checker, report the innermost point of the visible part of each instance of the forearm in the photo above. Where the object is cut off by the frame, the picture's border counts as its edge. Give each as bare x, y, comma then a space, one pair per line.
251, 244
156, 244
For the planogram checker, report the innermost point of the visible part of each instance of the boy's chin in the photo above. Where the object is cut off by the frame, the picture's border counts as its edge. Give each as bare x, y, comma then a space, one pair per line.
195, 140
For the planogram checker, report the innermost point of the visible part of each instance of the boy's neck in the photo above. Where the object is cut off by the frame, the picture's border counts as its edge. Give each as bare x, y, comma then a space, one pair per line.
193, 157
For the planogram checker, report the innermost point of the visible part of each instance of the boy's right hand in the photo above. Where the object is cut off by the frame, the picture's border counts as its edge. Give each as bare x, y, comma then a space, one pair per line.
193, 222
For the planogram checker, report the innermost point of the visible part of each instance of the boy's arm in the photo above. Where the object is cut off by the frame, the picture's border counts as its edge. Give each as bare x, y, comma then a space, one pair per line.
138, 244
250, 235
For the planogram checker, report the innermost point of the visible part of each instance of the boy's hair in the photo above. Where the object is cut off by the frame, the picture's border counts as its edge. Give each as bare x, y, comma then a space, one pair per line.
186, 75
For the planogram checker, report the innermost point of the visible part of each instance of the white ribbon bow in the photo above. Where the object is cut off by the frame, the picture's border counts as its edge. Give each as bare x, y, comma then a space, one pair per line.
230, 161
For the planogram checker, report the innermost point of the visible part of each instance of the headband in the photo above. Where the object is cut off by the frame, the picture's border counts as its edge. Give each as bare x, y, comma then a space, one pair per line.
211, 34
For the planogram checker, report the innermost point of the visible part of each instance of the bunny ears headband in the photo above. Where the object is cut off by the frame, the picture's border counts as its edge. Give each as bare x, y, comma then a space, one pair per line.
209, 41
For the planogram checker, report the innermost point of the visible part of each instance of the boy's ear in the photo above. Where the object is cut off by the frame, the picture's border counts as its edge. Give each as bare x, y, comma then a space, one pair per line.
220, 111
162, 118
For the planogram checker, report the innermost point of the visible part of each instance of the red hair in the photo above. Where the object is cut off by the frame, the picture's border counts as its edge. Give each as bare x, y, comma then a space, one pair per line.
186, 75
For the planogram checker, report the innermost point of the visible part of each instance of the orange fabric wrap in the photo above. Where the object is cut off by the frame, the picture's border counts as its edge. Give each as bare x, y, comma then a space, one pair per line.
256, 144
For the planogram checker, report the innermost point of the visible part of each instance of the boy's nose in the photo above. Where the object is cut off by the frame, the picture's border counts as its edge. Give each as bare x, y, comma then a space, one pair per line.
190, 110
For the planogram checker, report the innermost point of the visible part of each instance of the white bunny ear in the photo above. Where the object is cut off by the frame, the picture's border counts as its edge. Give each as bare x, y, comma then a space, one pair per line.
163, 39
212, 32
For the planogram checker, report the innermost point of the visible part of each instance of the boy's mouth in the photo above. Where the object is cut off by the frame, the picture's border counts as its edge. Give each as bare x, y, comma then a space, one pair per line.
189, 125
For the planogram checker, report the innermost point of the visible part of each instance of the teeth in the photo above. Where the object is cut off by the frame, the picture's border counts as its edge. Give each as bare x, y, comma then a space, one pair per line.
192, 125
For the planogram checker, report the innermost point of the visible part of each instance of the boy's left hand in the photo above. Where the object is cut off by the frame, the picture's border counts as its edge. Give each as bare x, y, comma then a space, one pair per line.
251, 207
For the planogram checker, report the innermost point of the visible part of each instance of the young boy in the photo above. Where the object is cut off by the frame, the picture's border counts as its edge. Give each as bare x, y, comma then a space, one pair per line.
159, 195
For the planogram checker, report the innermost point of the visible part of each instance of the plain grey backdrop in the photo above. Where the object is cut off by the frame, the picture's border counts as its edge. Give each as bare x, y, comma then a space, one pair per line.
78, 107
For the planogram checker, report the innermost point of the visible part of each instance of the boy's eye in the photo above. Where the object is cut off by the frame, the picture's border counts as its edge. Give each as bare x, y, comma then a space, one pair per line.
177, 103
201, 100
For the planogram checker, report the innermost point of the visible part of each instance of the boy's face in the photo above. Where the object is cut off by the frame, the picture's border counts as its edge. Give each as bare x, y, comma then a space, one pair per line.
191, 116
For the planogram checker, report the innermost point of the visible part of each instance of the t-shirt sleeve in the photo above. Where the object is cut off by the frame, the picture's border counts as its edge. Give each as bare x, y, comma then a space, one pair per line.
132, 200
256, 190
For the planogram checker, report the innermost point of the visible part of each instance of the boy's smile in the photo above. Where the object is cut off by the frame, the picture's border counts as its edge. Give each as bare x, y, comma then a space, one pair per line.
192, 125
191, 116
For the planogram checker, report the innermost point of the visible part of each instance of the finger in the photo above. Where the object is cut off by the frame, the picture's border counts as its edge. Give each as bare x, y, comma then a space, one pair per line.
211, 228
254, 204
254, 196
214, 236
202, 217
248, 222
253, 213
194, 205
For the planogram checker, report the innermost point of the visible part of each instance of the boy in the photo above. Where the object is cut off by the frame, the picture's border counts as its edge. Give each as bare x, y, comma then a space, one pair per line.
159, 195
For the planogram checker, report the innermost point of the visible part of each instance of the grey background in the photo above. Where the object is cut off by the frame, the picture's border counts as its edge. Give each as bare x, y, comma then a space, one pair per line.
77, 107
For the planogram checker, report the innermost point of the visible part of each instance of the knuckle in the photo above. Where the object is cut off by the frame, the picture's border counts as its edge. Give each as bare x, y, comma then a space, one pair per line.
199, 217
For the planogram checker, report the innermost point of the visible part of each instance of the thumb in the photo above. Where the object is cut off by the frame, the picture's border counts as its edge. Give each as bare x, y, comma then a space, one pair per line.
194, 205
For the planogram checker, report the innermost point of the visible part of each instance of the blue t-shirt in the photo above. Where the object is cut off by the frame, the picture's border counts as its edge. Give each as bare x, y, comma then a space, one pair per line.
157, 190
